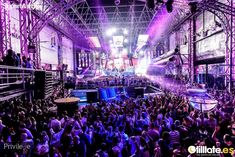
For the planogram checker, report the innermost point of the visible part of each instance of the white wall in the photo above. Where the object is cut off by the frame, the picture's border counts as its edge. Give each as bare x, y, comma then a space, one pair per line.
211, 47
67, 49
172, 41
48, 46
15, 30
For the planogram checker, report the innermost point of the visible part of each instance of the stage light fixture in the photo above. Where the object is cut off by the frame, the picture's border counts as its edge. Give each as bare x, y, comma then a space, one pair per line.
117, 2
169, 6
111, 31
125, 31
150, 4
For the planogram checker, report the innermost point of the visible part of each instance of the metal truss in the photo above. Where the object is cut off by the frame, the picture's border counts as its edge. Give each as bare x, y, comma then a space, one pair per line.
119, 16
101, 16
24, 19
93, 21
232, 38
60, 50
51, 11
5, 33
191, 48
83, 18
78, 19
31, 26
226, 13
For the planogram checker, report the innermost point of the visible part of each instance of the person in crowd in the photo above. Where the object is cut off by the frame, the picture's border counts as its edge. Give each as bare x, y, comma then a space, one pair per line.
10, 59
24, 62
29, 63
18, 60
155, 126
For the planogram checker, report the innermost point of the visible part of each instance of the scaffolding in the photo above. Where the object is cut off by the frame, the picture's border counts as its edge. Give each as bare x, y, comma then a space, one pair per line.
5, 32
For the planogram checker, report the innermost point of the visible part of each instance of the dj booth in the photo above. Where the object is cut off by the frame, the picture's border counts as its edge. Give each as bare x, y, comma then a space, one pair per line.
109, 93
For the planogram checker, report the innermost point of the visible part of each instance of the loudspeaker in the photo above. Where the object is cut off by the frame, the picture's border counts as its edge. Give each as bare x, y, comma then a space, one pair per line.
193, 7
69, 85
92, 96
39, 84
139, 92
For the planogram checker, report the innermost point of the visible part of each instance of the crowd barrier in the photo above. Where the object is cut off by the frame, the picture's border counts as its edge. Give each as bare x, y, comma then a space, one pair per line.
16, 81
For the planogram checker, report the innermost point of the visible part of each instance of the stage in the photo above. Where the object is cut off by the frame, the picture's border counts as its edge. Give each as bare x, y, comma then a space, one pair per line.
111, 93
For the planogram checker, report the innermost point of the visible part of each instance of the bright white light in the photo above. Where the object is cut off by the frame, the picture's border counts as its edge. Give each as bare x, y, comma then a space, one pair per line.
111, 31
142, 66
118, 41
125, 31
124, 51
125, 40
95, 41
112, 45
110, 41
114, 51
142, 39
141, 52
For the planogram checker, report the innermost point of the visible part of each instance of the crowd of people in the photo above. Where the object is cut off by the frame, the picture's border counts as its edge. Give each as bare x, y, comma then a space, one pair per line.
109, 81
157, 126
16, 60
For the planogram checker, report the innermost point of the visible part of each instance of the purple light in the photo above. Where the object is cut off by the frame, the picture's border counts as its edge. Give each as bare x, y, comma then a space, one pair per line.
103, 18
169, 84
160, 24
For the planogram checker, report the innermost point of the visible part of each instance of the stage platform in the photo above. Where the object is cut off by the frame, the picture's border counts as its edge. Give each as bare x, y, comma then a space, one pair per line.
111, 93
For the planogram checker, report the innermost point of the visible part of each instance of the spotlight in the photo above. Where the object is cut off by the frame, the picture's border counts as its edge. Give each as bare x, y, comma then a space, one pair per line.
117, 2
111, 31
112, 45
169, 6
125, 32
125, 40
150, 4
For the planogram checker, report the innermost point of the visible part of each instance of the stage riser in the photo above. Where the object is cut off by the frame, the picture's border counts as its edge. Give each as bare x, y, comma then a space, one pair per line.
92, 96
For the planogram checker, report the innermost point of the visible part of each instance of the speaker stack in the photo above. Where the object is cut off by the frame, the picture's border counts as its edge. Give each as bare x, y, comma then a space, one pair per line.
139, 92
92, 96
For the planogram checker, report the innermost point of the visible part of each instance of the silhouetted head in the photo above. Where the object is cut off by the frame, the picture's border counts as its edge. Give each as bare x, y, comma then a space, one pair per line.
10, 52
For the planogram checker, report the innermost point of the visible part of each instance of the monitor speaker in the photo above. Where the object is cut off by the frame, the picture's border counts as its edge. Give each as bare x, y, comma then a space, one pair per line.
139, 92
92, 96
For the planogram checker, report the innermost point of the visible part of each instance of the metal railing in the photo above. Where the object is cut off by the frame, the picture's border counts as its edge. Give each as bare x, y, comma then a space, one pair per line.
15, 75
15, 81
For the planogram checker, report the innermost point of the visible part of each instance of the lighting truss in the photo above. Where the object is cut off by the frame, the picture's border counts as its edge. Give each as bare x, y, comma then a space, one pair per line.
5, 33
81, 19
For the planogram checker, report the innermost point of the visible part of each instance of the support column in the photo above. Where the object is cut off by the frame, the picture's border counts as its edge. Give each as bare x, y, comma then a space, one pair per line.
75, 59
60, 49
232, 49
5, 34
34, 42
24, 21
192, 46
